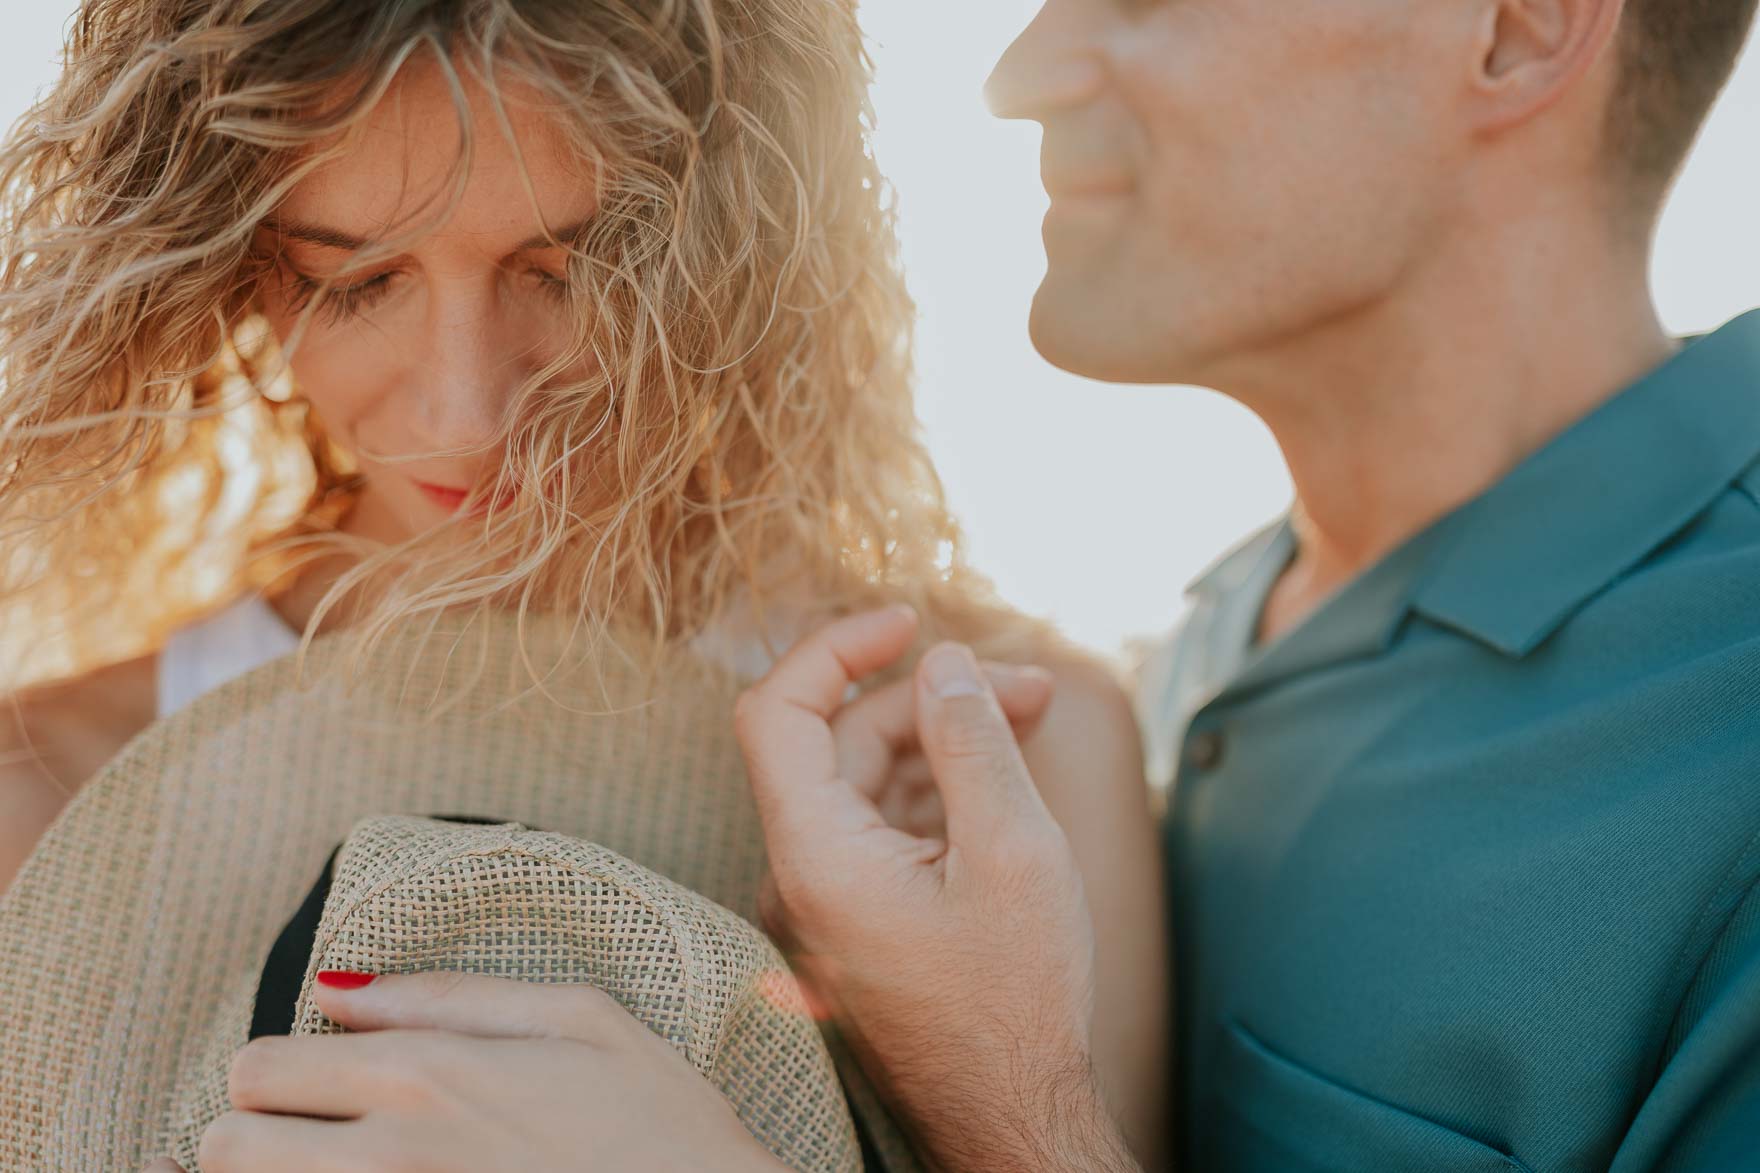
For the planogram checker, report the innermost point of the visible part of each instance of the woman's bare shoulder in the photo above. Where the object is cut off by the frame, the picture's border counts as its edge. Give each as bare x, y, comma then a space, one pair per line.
67, 730
1091, 710
54, 738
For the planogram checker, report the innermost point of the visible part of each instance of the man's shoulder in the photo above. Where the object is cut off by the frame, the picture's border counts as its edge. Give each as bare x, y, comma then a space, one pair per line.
1652, 691
1669, 653
1692, 602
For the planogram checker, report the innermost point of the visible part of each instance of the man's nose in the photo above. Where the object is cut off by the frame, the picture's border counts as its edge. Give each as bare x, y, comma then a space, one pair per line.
1050, 67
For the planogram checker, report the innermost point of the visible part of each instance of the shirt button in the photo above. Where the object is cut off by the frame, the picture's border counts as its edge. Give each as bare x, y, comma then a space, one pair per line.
1204, 751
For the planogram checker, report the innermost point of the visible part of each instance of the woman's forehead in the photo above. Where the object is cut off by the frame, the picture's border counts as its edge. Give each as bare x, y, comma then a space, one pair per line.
400, 169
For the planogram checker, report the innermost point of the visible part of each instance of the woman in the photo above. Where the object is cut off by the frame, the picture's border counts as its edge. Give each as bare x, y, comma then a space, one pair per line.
326, 316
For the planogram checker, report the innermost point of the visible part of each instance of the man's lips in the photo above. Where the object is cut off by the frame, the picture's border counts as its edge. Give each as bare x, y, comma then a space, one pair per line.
1076, 187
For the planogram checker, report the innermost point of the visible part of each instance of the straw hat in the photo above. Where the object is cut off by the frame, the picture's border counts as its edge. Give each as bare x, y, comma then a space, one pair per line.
136, 939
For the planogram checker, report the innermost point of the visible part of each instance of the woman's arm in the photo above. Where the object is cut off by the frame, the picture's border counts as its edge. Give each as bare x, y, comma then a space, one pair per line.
1086, 757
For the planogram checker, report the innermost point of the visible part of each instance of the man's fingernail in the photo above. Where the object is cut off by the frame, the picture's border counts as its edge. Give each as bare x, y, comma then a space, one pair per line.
344, 979
1017, 673
952, 671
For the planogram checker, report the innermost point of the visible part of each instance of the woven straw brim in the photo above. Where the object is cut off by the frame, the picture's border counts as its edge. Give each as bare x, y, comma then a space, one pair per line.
414, 895
132, 941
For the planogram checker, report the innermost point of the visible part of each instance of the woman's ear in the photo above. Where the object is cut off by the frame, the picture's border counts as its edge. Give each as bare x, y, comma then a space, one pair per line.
1533, 52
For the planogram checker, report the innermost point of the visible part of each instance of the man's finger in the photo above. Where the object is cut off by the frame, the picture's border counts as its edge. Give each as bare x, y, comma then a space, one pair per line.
785, 733
816, 674
472, 1004
985, 787
164, 1165
874, 730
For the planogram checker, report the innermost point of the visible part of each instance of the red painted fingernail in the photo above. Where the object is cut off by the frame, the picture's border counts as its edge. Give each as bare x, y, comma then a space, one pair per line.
344, 979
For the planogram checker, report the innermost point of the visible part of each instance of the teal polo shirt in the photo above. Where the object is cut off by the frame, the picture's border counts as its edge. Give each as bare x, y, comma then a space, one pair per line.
1463, 871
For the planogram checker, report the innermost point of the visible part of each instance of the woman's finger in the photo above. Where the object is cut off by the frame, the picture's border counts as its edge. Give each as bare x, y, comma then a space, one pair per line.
332, 1077
472, 1004
249, 1142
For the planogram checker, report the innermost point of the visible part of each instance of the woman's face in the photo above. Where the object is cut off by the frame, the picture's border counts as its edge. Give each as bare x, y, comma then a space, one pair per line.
412, 362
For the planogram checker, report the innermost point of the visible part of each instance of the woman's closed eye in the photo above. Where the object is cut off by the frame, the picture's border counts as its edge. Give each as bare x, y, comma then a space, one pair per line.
342, 302
550, 284
339, 302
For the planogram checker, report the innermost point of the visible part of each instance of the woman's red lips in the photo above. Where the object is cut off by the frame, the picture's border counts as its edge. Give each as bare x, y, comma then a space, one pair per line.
446, 498
452, 500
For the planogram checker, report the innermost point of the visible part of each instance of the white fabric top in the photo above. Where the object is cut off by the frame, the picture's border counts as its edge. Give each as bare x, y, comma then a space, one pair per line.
222, 647
245, 636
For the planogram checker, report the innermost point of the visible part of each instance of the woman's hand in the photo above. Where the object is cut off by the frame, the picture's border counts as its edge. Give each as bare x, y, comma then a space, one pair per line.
460, 1072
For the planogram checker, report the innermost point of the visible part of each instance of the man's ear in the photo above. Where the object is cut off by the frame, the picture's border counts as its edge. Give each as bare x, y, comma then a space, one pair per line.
1535, 52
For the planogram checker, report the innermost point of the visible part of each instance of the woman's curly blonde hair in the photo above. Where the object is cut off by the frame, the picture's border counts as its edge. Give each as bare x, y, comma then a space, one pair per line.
747, 433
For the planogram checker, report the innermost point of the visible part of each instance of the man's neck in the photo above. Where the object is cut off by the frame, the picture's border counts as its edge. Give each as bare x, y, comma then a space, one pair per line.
1394, 416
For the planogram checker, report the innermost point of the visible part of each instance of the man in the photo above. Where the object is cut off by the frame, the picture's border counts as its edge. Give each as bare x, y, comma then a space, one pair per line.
1465, 844
1464, 848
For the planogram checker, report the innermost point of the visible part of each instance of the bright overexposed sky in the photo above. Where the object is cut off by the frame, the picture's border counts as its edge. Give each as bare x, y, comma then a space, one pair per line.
1094, 505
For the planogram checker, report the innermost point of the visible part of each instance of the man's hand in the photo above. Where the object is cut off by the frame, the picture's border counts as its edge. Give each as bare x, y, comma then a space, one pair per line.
460, 1072
961, 966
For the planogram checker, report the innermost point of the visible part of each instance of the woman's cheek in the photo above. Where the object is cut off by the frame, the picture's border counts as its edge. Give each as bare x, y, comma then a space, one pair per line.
336, 375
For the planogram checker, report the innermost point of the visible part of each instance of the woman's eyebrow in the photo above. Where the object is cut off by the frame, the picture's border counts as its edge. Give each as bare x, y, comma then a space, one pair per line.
315, 234
325, 237
566, 236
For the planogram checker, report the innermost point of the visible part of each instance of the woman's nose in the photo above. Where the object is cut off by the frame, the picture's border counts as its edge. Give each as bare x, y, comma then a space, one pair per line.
1050, 67
474, 364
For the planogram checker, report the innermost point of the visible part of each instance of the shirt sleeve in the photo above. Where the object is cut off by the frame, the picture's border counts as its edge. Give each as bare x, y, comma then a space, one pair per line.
1703, 1114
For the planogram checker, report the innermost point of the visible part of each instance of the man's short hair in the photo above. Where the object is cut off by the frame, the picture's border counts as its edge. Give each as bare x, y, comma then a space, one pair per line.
1675, 56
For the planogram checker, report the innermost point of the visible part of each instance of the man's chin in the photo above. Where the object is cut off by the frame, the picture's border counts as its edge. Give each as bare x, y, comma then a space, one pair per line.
1077, 334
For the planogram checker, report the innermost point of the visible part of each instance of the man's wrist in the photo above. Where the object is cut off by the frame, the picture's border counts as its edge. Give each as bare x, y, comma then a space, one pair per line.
1076, 1131
1048, 1118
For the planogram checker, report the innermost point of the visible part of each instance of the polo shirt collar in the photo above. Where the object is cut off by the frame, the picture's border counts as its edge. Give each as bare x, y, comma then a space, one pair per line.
1361, 620
1238, 567
1573, 518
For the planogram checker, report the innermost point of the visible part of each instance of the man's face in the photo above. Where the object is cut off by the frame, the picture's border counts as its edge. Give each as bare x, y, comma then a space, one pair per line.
1227, 175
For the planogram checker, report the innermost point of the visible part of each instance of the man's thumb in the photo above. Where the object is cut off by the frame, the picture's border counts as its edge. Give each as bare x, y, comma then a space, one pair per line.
985, 787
